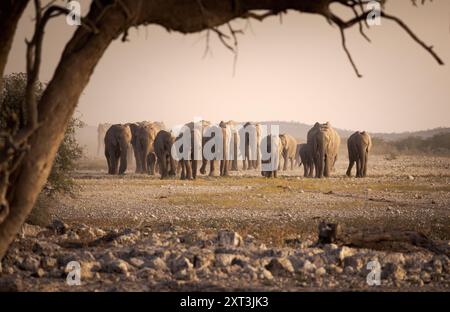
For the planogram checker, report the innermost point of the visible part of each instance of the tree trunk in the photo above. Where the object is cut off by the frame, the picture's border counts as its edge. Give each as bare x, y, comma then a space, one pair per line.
56, 107
10, 13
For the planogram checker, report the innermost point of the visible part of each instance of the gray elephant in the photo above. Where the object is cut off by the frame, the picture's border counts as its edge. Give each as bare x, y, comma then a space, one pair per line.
271, 153
162, 147
233, 144
289, 147
101, 131
188, 159
359, 145
145, 156
250, 135
117, 143
215, 142
306, 159
325, 143
134, 127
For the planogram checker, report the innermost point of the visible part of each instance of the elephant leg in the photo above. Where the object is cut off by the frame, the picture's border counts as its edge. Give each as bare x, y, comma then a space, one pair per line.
173, 166
183, 169
108, 161
305, 170
163, 163
351, 162
292, 163
137, 158
194, 169
244, 167
366, 158
151, 161
123, 159
274, 173
285, 162
212, 168
114, 163
188, 170
327, 168
203, 167
358, 167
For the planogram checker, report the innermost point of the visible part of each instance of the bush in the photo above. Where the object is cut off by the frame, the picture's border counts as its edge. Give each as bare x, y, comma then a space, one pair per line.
14, 117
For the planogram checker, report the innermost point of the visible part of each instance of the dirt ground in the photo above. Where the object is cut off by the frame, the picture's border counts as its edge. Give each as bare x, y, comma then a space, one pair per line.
409, 192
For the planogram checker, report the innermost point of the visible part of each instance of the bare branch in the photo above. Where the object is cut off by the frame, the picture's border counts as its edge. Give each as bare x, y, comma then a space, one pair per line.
344, 45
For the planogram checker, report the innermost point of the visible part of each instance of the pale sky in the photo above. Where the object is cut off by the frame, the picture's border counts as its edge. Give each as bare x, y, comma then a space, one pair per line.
296, 71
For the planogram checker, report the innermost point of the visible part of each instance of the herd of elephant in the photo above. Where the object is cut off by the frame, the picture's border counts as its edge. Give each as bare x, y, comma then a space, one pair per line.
153, 148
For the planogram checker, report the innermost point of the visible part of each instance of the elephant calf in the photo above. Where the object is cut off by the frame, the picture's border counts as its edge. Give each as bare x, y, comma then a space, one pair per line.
288, 146
117, 143
306, 158
162, 147
359, 145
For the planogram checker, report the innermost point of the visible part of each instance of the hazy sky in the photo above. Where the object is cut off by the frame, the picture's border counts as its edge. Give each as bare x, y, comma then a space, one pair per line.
296, 70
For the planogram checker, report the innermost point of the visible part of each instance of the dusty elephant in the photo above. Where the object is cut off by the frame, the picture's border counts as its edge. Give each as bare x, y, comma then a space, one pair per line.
289, 147
145, 157
162, 147
233, 144
117, 143
188, 151
325, 143
306, 159
271, 152
358, 145
215, 142
101, 132
250, 135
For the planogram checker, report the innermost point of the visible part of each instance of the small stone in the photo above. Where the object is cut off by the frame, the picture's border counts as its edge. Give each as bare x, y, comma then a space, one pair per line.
320, 271
30, 230
280, 266
137, 262
116, 266
266, 274
158, 264
30, 264
180, 263
355, 262
308, 266
410, 177
229, 238
39, 273
58, 226
49, 263
223, 260
425, 277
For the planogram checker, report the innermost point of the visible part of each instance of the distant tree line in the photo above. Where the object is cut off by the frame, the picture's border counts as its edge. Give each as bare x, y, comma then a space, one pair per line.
438, 144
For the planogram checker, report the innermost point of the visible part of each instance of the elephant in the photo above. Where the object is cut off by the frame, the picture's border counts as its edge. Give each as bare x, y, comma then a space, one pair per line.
359, 145
117, 143
145, 156
134, 127
271, 152
188, 160
289, 147
251, 135
162, 147
233, 144
216, 148
325, 143
306, 159
101, 131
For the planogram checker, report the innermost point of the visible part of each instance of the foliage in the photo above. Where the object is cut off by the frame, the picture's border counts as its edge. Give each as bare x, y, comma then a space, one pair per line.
438, 144
14, 117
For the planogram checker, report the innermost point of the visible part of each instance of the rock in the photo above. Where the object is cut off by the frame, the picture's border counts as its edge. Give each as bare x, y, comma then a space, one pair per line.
410, 177
116, 266
58, 227
185, 274
180, 263
10, 284
320, 271
39, 273
223, 259
308, 267
345, 252
396, 258
157, 264
137, 262
30, 264
89, 269
280, 266
425, 277
44, 248
355, 262
396, 272
203, 260
49, 263
266, 274
29, 230
229, 238
328, 232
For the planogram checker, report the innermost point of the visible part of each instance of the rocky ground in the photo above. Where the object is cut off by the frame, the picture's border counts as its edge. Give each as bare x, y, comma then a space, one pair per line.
243, 232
